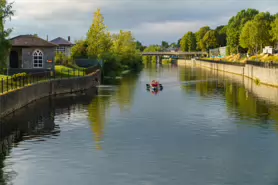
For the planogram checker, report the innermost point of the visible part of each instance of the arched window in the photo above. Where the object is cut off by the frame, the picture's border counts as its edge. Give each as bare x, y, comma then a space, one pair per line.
37, 59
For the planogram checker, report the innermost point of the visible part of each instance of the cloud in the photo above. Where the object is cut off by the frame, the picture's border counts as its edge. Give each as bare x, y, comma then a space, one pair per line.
150, 20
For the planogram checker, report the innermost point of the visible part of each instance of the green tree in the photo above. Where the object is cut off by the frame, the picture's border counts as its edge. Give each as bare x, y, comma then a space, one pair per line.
164, 44
79, 50
262, 22
188, 42
199, 37
124, 47
210, 39
98, 38
235, 26
274, 30
139, 46
222, 36
247, 37
5, 12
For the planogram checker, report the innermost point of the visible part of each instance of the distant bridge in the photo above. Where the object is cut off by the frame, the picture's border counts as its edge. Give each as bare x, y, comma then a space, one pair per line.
184, 55
195, 53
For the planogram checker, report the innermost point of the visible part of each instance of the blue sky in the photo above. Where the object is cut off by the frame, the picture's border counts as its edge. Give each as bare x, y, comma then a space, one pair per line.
150, 20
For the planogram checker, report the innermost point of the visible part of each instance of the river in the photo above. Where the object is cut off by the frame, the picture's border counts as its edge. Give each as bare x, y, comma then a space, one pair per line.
200, 129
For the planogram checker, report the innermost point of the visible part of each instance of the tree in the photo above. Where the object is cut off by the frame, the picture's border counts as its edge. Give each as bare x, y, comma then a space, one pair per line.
79, 50
164, 44
139, 46
235, 26
274, 30
247, 37
98, 38
210, 40
222, 36
5, 12
199, 37
178, 42
262, 22
188, 42
124, 47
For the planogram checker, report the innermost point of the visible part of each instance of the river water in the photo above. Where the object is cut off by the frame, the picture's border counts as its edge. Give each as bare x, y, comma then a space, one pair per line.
201, 129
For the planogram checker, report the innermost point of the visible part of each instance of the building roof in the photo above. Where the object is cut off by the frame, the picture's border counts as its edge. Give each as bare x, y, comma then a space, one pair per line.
62, 42
30, 41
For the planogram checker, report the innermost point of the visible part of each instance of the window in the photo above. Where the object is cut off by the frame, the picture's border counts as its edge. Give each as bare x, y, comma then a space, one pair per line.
38, 59
61, 49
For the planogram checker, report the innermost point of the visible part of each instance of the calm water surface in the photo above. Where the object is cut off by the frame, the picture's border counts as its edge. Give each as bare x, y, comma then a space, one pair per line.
209, 131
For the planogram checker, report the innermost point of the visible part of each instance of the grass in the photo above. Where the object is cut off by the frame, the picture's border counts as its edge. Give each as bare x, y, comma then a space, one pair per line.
63, 71
243, 59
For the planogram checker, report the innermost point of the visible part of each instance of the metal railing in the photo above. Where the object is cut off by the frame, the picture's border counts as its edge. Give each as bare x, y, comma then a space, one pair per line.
223, 62
11, 83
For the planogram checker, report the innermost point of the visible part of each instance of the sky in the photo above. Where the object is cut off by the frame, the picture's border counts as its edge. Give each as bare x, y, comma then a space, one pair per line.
151, 21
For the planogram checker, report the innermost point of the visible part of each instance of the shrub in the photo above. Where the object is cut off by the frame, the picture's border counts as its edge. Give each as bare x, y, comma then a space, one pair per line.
19, 76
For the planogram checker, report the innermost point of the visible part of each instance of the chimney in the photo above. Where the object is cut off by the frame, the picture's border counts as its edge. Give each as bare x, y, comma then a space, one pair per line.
47, 37
69, 38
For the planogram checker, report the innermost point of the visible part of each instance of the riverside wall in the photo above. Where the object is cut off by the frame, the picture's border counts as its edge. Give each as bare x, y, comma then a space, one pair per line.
17, 99
264, 92
267, 76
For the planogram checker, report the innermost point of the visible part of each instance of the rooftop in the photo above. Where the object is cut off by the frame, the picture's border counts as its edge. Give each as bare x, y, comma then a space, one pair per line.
61, 41
30, 41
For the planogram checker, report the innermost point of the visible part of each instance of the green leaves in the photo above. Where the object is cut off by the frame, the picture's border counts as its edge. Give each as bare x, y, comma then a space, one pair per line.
188, 42
98, 38
255, 33
115, 50
210, 40
5, 12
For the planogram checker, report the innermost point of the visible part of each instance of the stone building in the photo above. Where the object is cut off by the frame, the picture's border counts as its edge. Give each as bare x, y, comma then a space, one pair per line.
64, 46
30, 53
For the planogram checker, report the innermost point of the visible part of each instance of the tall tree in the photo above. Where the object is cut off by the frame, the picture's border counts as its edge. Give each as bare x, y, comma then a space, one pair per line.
262, 23
5, 12
247, 37
199, 37
274, 31
98, 38
235, 26
188, 42
222, 36
210, 39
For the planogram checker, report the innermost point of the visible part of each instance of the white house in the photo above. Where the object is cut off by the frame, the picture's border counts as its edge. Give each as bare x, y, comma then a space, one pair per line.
268, 50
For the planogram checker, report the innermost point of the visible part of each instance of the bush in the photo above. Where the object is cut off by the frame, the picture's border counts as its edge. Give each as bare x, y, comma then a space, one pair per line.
19, 76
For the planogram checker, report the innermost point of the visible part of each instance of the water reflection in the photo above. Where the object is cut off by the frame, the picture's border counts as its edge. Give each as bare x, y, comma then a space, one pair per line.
36, 122
99, 107
240, 101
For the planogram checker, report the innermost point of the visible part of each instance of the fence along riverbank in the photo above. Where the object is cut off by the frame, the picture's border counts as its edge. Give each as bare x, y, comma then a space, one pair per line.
29, 89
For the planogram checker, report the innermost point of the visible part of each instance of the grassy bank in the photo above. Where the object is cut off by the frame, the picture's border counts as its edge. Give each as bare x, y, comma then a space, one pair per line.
64, 71
244, 59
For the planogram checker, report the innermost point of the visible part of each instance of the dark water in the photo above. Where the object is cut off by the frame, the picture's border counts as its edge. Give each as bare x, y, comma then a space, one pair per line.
210, 131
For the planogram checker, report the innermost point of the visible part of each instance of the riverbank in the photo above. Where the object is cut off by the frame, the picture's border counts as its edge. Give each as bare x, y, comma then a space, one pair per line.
263, 92
19, 98
262, 75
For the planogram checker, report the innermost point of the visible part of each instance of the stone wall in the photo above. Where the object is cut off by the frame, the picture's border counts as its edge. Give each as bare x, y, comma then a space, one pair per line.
27, 57
18, 99
268, 76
